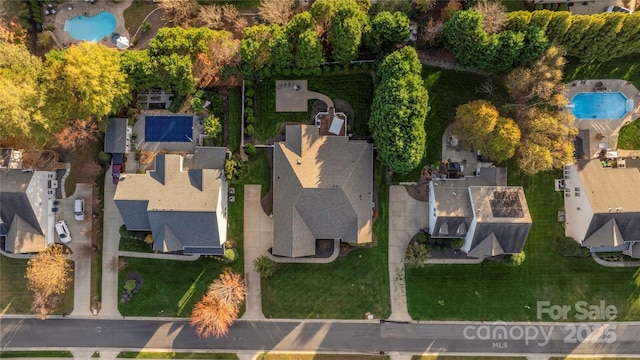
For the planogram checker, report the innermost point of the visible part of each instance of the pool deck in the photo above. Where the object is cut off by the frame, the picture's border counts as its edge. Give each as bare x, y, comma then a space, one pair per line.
85, 8
606, 130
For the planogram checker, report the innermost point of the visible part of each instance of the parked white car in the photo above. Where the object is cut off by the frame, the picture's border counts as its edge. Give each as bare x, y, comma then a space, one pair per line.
63, 231
78, 209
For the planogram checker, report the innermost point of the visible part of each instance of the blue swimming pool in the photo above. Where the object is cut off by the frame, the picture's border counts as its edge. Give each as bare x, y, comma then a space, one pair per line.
93, 28
599, 105
168, 128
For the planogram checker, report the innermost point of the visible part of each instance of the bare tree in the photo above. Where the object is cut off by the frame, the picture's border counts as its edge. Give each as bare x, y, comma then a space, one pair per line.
211, 16
229, 288
495, 15
212, 317
276, 11
177, 11
48, 276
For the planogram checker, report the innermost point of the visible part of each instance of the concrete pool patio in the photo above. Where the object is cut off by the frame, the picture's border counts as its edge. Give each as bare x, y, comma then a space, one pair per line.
603, 131
86, 8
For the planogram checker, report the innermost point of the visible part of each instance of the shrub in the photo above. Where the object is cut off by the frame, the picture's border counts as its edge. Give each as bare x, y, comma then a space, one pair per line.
230, 255
129, 285
515, 259
569, 247
563, 7
265, 266
286, 71
126, 234
538, 7
249, 149
297, 72
267, 72
148, 239
248, 83
630, 136
249, 102
317, 72
248, 92
326, 70
249, 130
104, 158
145, 26
248, 112
366, 66
416, 255
250, 119
422, 238
457, 243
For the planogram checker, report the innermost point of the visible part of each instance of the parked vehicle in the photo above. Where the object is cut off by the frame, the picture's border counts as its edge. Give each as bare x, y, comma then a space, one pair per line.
616, 8
117, 166
78, 210
63, 231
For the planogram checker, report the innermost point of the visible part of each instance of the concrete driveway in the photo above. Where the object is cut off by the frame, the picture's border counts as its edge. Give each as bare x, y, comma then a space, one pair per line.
80, 245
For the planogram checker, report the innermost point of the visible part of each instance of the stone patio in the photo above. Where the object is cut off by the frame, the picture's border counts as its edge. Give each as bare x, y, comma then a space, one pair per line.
293, 96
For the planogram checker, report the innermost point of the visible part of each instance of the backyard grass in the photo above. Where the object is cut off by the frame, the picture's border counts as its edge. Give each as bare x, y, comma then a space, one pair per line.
136, 245
447, 90
356, 89
347, 288
445, 357
493, 291
627, 68
135, 14
629, 138
175, 355
235, 122
35, 354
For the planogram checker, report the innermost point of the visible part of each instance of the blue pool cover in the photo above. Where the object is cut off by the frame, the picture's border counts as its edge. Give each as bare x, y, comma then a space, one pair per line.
168, 128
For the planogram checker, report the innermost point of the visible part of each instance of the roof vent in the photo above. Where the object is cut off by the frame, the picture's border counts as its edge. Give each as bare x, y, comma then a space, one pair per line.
298, 161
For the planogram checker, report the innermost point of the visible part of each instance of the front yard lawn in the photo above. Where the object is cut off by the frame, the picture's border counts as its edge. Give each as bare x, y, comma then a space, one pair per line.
347, 288
493, 291
356, 89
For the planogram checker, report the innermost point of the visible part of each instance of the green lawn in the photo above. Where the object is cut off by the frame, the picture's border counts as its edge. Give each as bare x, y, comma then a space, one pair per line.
234, 103
170, 288
627, 68
493, 291
35, 354
344, 289
175, 355
356, 89
136, 245
321, 357
446, 357
15, 298
630, 136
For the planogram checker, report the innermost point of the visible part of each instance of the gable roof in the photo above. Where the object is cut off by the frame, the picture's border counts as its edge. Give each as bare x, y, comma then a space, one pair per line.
502, 215
16, 212
115, 137
322, 189
612, 229
178, 206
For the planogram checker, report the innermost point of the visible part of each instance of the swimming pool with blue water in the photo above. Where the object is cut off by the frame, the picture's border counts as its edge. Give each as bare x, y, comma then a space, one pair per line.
599, 105
93, 28
172, 128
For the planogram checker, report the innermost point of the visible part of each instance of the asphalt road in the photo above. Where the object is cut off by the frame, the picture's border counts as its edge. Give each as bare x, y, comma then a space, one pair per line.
467, 337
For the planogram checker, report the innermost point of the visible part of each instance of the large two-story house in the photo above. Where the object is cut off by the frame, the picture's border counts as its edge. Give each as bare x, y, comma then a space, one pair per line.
491, 217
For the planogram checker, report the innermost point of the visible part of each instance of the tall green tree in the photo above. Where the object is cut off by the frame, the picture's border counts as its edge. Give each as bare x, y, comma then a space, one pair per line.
22, 99
346, 30
398, 112
388, 29
255, 48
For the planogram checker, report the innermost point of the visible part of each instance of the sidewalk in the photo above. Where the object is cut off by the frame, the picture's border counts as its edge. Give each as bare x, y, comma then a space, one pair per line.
406, 217
110, 244
258, 237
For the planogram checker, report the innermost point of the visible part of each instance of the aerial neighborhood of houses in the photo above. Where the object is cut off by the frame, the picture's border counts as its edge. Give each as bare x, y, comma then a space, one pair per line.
386, 169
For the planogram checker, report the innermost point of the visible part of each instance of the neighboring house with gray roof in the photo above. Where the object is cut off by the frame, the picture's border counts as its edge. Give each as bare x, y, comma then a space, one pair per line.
322, 189
182, 204
602, 204
116, 137
27, 212
491, 217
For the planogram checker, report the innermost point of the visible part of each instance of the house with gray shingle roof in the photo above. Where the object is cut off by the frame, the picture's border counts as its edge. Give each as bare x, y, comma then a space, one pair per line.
491, 217
602, 204
183, 202
322, 189
27, 212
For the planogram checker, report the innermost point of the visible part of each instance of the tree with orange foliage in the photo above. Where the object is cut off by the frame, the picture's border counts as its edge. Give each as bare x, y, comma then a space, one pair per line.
220, 306
48, 276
